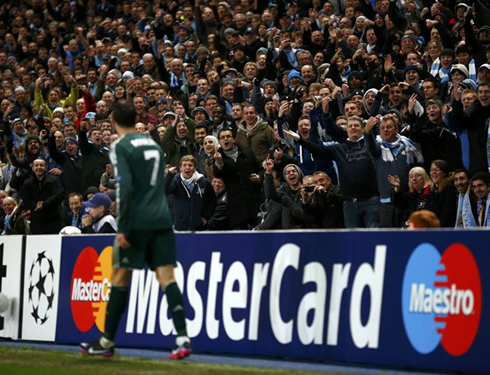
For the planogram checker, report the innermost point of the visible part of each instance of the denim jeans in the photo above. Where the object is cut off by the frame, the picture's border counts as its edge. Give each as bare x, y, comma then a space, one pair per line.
362, 214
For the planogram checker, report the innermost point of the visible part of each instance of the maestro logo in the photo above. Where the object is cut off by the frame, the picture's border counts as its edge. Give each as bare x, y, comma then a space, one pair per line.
91, 288
441, 299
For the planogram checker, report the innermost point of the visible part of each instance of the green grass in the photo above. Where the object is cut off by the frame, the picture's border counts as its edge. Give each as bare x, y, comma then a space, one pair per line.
28, 361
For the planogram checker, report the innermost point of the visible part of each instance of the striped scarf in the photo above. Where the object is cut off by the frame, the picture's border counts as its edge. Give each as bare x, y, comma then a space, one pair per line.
391, 149
436, 70
465, 218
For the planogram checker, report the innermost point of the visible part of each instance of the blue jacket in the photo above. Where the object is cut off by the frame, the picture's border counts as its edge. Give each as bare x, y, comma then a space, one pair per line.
190, 206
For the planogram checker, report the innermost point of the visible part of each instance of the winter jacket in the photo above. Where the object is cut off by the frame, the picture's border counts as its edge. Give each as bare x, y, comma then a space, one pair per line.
259, 139
190, 206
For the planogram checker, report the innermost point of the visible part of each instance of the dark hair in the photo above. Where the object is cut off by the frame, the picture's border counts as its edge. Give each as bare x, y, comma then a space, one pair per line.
201, 126
484, 176
463, 48
461, 170
225, 130
75, 194
447, 52
124, 113
434, 81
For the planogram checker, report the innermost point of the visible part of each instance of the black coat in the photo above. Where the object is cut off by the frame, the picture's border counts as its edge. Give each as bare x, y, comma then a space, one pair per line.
475, 119
72, 169
244, 196
48, 190
95, 159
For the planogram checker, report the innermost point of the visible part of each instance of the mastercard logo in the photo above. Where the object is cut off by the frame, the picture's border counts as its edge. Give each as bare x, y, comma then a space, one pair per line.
442, 299
91, 288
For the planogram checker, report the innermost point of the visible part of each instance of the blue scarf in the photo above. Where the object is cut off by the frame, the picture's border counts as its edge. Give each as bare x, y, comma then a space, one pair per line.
465, 218
389, 150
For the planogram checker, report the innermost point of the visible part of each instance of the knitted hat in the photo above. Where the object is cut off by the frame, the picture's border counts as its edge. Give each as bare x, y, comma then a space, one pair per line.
16, 120
298, 169
128, 74
70, 139
200, 109
32, 137
409, 37
292, 74
411, 67
460, 68
169, 114
268, 82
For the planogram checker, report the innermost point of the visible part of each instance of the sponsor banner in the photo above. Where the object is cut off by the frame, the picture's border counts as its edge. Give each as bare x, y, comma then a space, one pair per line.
381, 298
85, 285
10, 279
41, 287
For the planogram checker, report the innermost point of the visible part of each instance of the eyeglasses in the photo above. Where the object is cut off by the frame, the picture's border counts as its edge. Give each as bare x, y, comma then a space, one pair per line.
435, 169
226, 137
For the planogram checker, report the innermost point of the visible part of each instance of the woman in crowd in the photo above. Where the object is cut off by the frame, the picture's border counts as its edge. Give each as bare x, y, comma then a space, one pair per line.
15, 223
416, 198
211, 144
443, 193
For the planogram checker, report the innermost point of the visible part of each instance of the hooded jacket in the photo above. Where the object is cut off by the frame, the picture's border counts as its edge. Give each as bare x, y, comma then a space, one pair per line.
259, 139
191, 205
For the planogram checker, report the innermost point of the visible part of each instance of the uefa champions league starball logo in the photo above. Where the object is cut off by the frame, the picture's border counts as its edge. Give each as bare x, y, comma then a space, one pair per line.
41, 288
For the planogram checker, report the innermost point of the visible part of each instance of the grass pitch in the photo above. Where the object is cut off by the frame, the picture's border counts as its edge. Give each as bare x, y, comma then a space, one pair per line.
28, 361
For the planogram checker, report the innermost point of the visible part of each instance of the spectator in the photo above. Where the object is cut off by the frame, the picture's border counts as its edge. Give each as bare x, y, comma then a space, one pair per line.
467, 200
98, 219
178, 140
443, 193
474, 119
219, 220
194, 197
392, 155
15, 221
76, 210
287, 194
255, 134
95, 156
70, 160
42, 196
423, 219
356, 174
480, 184
239, 170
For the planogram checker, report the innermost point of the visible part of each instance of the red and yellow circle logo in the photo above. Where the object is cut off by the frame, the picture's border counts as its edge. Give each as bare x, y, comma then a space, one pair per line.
91, 288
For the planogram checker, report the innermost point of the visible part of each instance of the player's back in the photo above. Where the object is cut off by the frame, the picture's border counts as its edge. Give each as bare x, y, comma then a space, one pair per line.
140, 189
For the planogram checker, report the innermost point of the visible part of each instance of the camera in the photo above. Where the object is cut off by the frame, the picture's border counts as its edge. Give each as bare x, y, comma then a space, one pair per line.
309, 189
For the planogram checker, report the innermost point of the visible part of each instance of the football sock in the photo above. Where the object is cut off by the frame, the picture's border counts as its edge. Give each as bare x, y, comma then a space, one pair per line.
176, 307
181, 340
115, 309
106, 344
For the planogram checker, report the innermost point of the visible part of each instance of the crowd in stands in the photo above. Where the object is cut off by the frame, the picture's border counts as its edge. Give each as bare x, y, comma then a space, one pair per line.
271, 114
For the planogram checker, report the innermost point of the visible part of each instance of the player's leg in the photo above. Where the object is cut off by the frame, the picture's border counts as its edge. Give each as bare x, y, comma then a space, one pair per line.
117, 303
115, 309
124, 261
165, 277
